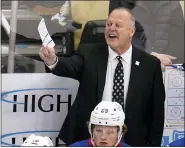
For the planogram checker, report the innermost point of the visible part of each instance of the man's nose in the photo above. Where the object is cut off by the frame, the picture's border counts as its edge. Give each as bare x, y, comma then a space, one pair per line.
112, 27
103, 136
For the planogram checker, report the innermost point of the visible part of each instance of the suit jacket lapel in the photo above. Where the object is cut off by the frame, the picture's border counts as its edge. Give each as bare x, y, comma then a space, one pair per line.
133, 76
102, 59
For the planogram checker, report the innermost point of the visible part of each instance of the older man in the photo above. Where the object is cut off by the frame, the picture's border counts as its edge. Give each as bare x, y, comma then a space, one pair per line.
115, 71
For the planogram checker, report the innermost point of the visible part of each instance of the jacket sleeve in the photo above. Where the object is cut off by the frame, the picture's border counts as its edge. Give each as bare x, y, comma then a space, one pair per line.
69, 66
156, 123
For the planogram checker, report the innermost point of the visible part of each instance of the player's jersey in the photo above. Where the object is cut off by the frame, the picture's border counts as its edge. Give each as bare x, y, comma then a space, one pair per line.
87, 143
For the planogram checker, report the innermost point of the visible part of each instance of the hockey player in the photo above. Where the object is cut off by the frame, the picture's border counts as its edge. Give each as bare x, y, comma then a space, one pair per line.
106, 126
37, 141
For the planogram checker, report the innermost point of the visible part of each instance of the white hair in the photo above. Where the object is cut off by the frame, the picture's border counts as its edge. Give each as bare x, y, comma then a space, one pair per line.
133, 20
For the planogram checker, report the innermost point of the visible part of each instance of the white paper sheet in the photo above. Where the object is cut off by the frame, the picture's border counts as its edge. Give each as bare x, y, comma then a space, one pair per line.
44, 35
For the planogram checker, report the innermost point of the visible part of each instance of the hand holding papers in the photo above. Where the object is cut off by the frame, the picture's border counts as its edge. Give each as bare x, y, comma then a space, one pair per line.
47, 51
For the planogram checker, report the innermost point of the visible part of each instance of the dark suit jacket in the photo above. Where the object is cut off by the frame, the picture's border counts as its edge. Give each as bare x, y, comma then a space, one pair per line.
145, 99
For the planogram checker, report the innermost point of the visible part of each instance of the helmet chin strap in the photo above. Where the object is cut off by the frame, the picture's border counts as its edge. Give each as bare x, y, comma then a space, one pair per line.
92, 137
120, 134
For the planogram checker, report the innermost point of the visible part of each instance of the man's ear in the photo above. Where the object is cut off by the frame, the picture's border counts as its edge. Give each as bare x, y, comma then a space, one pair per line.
132, 32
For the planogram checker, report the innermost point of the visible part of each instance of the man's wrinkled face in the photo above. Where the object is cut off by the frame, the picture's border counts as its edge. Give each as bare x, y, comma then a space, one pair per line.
119, 29
105, 135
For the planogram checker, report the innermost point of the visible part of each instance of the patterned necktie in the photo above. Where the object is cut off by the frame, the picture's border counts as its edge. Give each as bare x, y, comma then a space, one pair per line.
118, 83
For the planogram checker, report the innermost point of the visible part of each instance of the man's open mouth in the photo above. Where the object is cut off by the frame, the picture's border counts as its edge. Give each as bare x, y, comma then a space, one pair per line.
112, 36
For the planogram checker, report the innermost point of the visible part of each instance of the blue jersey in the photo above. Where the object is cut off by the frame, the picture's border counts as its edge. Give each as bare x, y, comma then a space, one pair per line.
178, 143
87, 143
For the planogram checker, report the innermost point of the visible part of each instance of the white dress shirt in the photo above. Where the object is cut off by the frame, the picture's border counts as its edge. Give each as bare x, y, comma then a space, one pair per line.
54, 65
111, 66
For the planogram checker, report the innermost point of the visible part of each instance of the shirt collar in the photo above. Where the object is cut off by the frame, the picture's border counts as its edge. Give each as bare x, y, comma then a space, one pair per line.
126, 56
